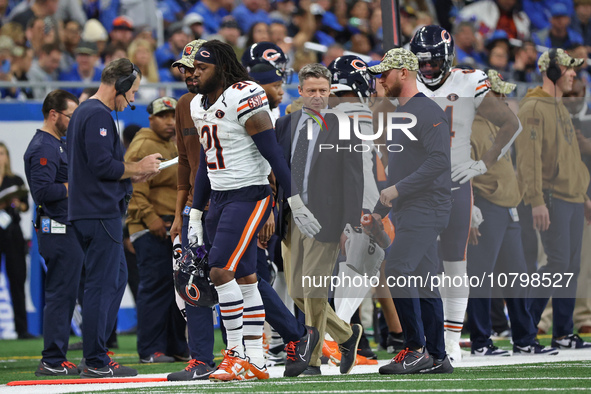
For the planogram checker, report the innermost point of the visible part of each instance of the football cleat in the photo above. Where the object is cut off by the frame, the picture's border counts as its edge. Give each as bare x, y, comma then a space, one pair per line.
232, 367
255, 373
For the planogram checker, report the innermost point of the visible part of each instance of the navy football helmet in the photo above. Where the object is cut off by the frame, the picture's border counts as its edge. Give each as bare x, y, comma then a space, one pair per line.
349, 73
434, 47
191, 278
268, 53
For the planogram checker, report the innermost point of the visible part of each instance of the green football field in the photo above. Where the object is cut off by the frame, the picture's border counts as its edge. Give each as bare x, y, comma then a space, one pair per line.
570, 371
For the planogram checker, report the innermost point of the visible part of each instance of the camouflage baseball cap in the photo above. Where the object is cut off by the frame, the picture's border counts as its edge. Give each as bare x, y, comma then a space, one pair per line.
498, 84
396, 58
162, 104
561, 56
189, 53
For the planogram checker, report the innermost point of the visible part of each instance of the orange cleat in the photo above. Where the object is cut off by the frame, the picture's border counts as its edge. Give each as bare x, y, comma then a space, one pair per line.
330, 350
232, 367
362, 360
256, 373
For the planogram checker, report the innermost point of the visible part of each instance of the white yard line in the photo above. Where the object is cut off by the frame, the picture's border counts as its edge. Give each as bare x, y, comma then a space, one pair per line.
564, 357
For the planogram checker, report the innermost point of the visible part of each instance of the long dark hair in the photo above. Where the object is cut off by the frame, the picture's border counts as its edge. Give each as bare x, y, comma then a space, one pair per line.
229, 70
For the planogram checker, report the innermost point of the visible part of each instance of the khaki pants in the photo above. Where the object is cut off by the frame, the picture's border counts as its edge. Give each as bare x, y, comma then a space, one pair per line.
305, 257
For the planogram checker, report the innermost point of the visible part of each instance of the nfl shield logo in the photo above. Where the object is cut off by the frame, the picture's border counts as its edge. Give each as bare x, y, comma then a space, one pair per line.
103, 132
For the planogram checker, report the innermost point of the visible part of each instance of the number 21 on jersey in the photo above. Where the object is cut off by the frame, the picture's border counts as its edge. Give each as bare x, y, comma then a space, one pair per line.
210, 134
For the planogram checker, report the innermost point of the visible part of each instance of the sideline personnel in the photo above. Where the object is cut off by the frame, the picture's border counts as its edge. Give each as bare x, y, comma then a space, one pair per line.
100, 187
46, 167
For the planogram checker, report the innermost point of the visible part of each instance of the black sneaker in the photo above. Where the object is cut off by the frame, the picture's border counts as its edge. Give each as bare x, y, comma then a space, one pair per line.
65, 368
534, 348
490, 350
348, 349
407, 362
365, 350
394, 342
572, 341
111, 370
196, 370
185, 357
311, 371
300, 352
440, 365
157, 357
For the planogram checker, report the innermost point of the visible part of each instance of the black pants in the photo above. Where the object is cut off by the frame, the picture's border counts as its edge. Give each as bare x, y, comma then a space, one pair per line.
14, 249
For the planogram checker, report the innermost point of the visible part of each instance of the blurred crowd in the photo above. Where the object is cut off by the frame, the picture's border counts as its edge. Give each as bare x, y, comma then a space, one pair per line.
72, 40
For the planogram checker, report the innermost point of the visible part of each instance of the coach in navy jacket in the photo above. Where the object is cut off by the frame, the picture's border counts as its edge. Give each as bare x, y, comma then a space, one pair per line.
99, 185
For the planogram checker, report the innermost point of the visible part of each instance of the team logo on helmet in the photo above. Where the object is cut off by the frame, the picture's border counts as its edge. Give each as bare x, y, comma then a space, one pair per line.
193, 292
445, 36
188, 50
271, 55
358, 64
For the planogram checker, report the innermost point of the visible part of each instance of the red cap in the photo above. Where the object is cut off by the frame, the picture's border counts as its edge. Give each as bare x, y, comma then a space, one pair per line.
122, 23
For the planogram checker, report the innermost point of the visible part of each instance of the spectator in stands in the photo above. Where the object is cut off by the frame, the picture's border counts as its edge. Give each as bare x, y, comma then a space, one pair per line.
141, 54
249, 12
559, 34
258, 32
142, 12
22, 59
85, 69
177, 35
105, 11
408, 23
39, 9
212, 11
4, 11
580, 21
35, 34
230, 33
580, 51
283, 11
95, 32
71, 10
360, 43
70, 39
122, 32
466, 45
525, 67
498, 58
491, 15
278, 35
113, 52
538, 11
332, 52
146, 33
194, 22
14, 31
44, 69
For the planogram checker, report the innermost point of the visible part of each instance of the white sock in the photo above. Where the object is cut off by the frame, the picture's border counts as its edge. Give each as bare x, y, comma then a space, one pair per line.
455, 299
231, 309
254, 320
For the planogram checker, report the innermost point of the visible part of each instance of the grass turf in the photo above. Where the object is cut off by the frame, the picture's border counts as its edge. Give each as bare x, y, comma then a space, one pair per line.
19, 358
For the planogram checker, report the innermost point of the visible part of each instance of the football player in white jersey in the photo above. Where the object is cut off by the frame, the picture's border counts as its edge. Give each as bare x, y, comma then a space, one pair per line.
239, 148
460, 93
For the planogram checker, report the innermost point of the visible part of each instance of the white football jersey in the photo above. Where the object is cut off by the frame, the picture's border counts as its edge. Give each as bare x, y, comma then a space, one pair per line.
370, 188
233, 160
459, 96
